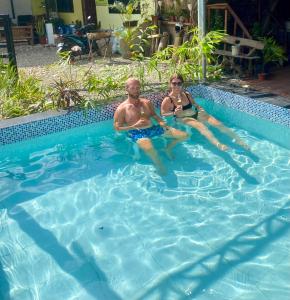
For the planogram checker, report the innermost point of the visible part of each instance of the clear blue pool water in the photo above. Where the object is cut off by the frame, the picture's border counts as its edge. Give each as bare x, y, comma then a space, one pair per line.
80, 219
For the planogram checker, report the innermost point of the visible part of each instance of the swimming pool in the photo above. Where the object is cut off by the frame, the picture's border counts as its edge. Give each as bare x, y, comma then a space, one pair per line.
81, 220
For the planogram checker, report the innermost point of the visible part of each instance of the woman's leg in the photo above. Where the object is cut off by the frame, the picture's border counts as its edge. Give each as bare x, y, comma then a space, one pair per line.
219, 125
205, 132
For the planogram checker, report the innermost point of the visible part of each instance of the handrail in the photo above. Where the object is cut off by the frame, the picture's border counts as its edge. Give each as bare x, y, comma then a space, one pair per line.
5, 20
237, 21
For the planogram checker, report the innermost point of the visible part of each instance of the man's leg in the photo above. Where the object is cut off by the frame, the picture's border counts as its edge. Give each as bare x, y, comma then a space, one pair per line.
146, 145
205, 132
177, 136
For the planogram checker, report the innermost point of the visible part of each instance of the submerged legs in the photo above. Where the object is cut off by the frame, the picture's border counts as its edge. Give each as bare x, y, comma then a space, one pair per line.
146, 145
219, 125
205, 132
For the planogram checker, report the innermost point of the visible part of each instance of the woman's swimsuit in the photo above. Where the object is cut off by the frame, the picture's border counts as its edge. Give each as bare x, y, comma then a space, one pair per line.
185, 107
150, 132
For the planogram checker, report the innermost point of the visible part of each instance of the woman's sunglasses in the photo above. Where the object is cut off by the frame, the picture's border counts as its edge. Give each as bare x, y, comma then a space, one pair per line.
179, 83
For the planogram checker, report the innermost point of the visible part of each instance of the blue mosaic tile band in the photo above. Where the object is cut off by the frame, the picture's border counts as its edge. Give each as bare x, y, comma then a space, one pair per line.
73, 119
69, 120
273, 113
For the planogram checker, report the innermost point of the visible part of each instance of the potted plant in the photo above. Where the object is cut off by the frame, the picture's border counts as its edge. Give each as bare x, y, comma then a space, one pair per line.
185, 14
273, 54
40, 29
126, 11
171, 14
126, 37
128, 33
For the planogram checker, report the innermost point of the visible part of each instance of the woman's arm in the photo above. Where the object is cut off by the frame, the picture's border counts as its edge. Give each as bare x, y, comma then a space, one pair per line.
166, 107
198, 107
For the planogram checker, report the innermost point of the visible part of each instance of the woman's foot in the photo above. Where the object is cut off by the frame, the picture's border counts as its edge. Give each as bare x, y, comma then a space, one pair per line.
242, 144
222, 147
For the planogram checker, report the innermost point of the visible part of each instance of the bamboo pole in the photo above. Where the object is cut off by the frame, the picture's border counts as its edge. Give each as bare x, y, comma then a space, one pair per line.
202, 31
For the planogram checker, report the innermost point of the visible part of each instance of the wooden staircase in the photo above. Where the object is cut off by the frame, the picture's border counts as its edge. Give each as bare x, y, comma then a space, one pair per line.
229, 12
5, 26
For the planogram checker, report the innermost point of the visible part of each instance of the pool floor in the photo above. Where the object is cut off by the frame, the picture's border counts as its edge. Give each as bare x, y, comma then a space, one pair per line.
81, 219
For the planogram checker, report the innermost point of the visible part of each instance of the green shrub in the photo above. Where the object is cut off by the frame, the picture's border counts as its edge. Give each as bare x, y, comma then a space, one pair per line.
19, 95
186, 59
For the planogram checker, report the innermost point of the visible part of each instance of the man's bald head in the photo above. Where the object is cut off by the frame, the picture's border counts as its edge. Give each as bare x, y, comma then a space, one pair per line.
130, 81
133, 88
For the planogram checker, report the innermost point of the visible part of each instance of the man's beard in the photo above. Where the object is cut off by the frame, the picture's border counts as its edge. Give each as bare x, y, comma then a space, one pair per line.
134, 96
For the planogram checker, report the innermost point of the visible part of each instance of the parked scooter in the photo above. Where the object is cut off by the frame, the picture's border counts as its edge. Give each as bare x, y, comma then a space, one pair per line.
67, 42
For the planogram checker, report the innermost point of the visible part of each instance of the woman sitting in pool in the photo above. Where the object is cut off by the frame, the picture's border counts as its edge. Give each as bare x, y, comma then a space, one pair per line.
181, 105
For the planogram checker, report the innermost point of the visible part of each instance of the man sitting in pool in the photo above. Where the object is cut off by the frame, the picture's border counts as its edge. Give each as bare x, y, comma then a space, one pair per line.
181, 105
134, 116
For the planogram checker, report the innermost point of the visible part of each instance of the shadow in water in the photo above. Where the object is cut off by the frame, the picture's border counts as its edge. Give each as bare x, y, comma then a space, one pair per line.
46, 241
194, 277
226, 156
243, 151
248, 153
186, 163
4, 285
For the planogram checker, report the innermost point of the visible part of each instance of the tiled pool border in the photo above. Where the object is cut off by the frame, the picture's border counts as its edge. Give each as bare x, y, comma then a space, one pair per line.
23, 128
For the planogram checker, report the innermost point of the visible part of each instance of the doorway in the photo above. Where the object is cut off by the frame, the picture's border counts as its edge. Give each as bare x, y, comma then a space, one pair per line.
89, 9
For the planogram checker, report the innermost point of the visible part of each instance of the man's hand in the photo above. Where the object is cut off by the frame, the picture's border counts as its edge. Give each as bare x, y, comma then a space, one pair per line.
117, 126
163, 124
141, 124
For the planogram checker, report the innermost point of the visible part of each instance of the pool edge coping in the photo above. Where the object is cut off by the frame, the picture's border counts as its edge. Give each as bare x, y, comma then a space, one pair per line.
16, 129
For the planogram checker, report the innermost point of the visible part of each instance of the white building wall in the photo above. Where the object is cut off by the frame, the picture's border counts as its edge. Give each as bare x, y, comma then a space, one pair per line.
21, 7
5, 7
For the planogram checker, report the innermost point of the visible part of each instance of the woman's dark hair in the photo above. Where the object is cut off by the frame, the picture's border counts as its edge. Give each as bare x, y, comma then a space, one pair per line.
176, 76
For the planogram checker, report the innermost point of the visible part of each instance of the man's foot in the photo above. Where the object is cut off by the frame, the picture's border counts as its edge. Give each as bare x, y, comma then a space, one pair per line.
222, 147
169, 154
161, 170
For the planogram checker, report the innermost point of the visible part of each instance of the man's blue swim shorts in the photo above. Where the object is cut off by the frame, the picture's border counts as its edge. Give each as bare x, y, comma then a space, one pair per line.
150, 132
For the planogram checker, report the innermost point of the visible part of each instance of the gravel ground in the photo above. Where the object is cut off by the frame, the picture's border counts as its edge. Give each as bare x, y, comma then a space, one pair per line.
35, 56
44, 63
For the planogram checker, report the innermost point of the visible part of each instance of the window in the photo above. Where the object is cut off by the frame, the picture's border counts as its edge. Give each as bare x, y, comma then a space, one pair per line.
65, 6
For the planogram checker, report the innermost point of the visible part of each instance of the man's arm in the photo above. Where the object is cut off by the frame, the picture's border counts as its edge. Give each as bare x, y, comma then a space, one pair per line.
120, 124
155, 116
119, 121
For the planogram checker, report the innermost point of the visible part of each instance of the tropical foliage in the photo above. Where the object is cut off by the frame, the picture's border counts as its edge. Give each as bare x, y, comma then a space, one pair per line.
126, 11
19, 95
24, 95
272, 52
186, 59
